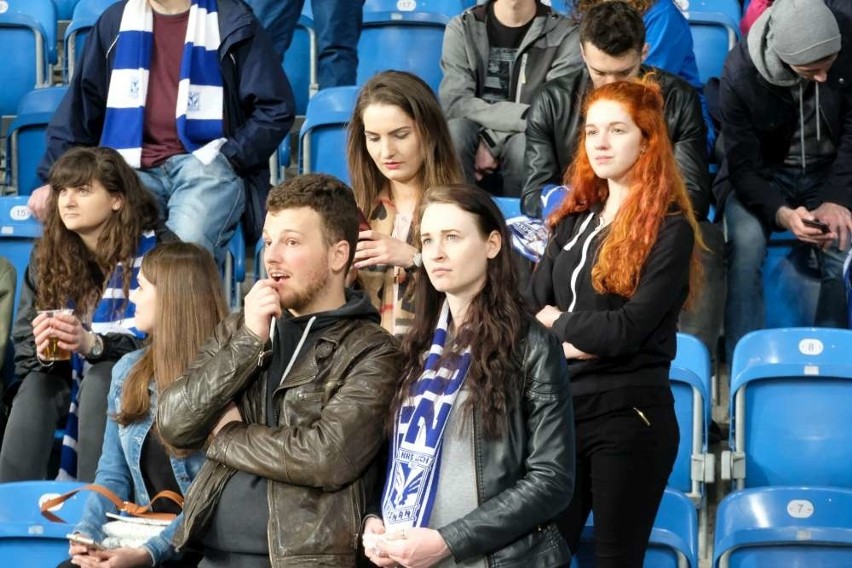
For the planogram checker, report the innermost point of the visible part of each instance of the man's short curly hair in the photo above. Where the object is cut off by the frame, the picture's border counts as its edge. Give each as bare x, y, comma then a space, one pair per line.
332, 199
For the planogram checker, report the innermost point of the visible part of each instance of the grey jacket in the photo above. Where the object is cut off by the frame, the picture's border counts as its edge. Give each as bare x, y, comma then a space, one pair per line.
550, 49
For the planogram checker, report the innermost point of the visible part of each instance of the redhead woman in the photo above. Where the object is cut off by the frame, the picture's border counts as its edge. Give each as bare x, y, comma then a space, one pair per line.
620, 265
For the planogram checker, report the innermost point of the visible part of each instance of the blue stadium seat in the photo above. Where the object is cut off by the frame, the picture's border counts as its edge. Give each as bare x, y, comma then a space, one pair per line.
690, 381
259, 267
404, 41
322, 139
784, 526
694, 466
673, 542
300, 63
509, 206
26, 143
791, 409
235, 269
449, 8
86, 13
715, 30
28, 37
26, 537
18, 231
64, 8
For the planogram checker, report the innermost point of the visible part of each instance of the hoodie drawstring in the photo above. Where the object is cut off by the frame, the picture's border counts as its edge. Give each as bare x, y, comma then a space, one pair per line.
298, 347
802, 124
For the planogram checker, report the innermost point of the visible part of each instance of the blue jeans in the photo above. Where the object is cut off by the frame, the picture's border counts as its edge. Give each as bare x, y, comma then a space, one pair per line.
201, 204
746, 241
338, 28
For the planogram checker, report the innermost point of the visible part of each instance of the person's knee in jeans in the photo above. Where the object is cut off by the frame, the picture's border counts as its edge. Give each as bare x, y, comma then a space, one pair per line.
206, 202
745, 249
92, 418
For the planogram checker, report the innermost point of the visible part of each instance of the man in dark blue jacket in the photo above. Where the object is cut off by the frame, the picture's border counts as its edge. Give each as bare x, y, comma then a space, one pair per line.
786, 109
192, 94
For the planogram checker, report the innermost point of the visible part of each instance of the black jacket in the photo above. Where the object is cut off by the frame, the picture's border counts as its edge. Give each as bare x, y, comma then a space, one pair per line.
525, 477
553, 128
759, 120
634, 339
116, 345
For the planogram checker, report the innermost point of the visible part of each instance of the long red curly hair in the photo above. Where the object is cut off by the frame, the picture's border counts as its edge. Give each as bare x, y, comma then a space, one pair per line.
656, 190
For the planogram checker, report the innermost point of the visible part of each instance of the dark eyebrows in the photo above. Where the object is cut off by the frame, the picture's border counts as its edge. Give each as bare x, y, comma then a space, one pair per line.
397, 131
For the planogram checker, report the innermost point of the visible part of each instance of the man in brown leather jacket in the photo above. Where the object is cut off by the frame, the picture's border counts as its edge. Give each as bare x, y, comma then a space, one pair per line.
290, 397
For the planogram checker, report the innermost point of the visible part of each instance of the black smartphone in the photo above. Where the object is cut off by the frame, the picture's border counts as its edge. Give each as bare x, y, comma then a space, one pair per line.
816, 225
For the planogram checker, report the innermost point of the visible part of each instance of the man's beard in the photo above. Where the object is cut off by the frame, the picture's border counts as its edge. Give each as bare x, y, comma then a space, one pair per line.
299, 300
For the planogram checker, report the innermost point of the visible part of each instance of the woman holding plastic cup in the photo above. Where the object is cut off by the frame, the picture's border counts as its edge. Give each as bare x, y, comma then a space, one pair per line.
73, 321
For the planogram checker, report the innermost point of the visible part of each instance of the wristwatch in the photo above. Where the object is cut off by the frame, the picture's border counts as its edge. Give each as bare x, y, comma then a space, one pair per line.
97, 346
416, 261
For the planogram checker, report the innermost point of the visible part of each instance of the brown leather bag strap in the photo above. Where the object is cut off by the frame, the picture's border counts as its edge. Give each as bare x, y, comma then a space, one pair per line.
124, 506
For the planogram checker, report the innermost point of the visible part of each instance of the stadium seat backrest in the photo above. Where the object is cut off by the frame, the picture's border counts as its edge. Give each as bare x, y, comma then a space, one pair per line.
235, 269
714, 25
300, 62
690, 382
509, 206
322, 139
448, 8
27, 538
18, 231
28, 39
784, 526
26, 141
791, 407
404, 41
674, 537
86, 13
64, 8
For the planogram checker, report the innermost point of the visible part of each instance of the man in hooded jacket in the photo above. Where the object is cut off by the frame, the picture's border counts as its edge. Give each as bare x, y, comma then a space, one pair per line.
786, 109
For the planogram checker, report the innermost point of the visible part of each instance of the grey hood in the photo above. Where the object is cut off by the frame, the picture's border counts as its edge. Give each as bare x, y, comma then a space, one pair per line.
767, 62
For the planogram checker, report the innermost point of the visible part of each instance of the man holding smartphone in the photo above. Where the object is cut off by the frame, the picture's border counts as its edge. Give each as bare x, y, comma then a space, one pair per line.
787, 134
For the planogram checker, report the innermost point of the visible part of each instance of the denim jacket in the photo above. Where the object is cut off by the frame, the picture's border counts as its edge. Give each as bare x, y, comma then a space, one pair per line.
119, 468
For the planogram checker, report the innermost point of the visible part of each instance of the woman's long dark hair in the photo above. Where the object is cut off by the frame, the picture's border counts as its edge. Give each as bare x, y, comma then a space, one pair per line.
66, 269
494, 324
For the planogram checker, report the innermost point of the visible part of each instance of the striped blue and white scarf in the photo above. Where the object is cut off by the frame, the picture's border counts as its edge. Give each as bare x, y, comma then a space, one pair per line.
415, 463
200, 94
112, 315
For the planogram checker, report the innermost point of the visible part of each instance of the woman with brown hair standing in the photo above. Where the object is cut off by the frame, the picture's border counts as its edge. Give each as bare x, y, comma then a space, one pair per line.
398, 147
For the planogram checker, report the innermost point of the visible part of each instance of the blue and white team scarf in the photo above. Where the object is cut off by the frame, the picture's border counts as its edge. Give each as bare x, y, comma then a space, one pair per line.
200, 94
415, 463
112, 315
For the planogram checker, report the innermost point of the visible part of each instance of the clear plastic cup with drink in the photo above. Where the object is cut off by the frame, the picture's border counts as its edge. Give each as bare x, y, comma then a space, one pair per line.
53, 352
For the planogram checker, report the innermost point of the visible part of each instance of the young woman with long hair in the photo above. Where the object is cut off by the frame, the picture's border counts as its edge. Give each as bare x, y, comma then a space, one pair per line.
482, 449
398, 146
621, 263
179, 303
100, 221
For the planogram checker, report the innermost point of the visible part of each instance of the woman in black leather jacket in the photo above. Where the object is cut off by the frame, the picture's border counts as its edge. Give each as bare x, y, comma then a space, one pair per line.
482, 451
